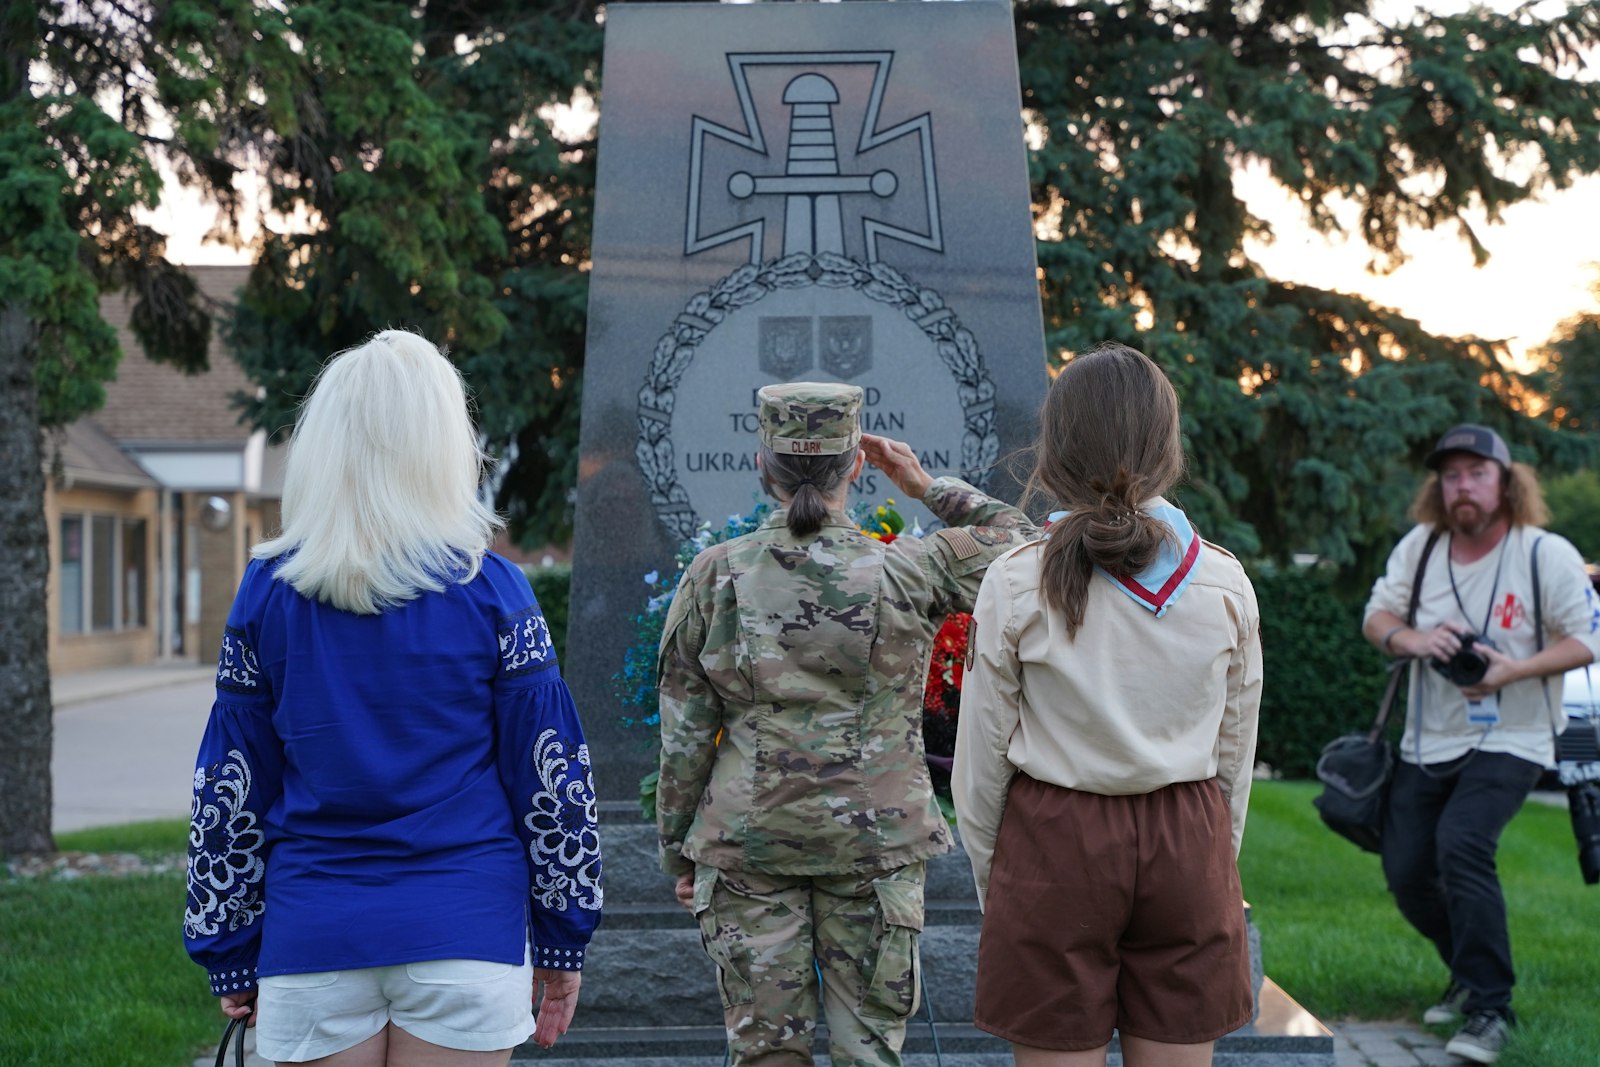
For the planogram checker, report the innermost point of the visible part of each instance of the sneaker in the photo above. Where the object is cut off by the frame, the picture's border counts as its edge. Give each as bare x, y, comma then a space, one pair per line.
1482, 1037
1448, 1010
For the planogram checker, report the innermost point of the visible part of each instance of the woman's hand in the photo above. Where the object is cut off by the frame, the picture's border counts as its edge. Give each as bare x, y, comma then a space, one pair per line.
560, 1001
895, 459
239, 1005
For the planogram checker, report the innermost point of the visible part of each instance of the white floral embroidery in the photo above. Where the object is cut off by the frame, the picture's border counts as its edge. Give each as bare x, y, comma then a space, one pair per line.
566, 836
526, 646
237, 667
225, 870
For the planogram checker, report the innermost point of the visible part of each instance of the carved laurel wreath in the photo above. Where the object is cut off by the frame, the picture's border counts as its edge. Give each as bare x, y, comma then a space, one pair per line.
980, 441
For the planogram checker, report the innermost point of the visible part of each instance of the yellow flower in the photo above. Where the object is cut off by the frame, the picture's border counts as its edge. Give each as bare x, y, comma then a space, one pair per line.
882, 510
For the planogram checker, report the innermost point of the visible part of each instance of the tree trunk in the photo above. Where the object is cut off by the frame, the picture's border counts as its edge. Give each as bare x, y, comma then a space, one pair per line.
25, 725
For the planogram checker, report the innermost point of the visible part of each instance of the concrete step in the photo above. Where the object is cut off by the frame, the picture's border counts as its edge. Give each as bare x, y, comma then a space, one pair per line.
960, 1045
661, 977
633, 874
553, 1058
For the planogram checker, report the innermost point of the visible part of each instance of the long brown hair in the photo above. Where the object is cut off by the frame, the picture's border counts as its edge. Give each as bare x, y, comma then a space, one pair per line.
1520, 495
1108, 441
807, 481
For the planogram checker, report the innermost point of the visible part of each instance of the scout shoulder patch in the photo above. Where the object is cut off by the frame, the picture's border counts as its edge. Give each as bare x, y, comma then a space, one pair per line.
961, 542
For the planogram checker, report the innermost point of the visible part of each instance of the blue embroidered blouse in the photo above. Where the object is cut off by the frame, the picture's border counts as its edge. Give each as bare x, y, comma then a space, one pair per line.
383, 789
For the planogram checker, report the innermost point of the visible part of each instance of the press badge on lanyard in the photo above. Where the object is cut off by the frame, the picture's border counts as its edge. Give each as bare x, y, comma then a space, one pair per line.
1485, 712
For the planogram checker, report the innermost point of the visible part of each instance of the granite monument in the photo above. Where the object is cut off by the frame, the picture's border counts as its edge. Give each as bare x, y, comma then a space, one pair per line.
790, 192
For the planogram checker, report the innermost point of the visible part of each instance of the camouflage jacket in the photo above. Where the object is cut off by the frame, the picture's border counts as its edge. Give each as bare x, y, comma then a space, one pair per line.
808, 657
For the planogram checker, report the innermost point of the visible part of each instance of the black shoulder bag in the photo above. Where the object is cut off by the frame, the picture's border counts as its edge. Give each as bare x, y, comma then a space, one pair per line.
1355, 769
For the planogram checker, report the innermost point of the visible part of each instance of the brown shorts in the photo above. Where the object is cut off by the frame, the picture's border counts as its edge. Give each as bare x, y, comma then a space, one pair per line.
1105, 912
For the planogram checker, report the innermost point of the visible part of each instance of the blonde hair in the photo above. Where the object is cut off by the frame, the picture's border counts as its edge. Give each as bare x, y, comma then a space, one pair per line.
1519, 493
380, 489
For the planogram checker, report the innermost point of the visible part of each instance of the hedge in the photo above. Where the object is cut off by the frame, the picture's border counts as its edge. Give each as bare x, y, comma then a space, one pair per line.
1322, 677
552, 587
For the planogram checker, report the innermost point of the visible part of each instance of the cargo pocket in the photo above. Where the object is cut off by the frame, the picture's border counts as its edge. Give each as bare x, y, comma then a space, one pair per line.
894, 985
720, 941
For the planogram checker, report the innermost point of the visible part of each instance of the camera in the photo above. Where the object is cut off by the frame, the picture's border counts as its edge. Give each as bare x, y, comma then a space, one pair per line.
1468, 665
1577, 769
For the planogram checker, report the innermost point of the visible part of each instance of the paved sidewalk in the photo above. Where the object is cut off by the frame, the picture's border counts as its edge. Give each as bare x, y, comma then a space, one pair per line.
1388, 1044
125, 742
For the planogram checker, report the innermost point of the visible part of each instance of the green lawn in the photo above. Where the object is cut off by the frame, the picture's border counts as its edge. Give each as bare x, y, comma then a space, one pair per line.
93, 972
1330, 934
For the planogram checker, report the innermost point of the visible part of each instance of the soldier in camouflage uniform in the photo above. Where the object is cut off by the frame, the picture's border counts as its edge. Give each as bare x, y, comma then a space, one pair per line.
799, 839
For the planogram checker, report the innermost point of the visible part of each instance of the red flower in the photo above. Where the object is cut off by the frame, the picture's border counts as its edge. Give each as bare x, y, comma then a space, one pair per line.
941, 694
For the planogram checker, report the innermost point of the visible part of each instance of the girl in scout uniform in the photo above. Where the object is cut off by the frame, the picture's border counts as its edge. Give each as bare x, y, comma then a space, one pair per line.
1105, 745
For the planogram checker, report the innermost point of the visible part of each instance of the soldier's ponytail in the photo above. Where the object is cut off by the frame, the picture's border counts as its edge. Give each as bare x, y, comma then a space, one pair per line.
808, 482
1109, 441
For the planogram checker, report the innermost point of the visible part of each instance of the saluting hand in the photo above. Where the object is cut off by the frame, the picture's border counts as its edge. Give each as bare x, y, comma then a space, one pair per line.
899, 462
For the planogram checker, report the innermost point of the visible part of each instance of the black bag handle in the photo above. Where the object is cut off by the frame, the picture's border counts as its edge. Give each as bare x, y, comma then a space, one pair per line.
1395, 666
235, 1034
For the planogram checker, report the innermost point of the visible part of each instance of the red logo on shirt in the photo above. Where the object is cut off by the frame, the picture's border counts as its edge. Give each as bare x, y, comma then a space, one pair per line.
1510, 612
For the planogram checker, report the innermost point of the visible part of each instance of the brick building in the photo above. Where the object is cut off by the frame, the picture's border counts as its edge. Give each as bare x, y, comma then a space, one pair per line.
152, 504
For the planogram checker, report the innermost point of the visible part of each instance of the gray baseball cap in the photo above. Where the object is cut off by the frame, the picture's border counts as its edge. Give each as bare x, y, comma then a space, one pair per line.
1473, 439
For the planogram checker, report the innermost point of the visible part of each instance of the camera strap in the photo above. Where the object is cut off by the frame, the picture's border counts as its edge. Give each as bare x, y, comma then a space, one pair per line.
1395, 665
1538, 627
1494, 590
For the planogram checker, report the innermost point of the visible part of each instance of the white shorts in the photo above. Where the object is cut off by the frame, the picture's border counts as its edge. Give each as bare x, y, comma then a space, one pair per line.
469, 1005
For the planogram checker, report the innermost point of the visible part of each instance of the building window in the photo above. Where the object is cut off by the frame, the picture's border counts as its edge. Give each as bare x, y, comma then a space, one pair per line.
104, 580
102, 572
134, 580
72, 574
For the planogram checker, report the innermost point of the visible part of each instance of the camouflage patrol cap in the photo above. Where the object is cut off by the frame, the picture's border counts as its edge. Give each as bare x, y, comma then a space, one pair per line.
810, 418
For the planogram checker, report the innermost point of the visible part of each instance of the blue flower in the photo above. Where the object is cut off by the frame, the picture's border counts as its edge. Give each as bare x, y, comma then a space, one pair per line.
652, 578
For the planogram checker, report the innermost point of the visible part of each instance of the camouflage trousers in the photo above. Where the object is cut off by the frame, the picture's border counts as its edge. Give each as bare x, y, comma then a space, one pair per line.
770, 937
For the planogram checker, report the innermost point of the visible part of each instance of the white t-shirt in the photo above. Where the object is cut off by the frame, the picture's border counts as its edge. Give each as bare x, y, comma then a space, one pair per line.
1496, 593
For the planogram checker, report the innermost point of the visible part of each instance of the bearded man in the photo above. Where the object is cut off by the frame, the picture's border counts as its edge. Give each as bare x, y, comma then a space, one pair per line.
1483, 709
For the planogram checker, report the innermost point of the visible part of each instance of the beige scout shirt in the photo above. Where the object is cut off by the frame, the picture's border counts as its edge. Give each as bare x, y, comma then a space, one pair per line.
808, 656
1132, 704
1496, 590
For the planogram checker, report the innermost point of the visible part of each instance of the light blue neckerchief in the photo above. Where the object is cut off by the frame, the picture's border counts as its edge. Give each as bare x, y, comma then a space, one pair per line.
1159, 585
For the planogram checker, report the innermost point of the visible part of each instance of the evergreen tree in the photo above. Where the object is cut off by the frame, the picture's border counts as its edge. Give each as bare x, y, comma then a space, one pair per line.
1306, 412
92, 96
1572, 358
443, 195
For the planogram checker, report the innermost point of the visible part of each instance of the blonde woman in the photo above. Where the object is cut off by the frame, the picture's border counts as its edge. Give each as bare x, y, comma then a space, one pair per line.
394, 842
1106, 739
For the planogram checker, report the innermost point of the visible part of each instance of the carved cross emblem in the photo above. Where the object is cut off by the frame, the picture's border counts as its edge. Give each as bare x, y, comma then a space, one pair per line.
809, 184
